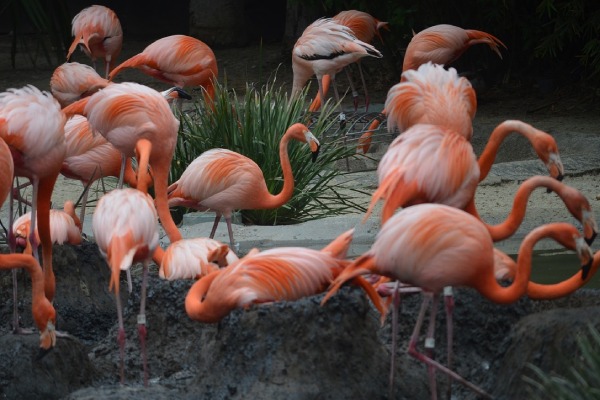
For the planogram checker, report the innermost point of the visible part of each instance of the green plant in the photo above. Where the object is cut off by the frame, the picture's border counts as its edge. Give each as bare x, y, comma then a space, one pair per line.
252, 125
583, 379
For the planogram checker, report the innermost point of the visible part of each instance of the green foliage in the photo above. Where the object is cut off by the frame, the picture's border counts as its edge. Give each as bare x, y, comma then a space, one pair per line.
583, 379
49, 19
253, 125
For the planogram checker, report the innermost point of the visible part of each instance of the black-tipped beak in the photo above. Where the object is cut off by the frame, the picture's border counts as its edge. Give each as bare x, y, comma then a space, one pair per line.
560, 177
590, 240
183, 94
315, 154
42, 353
585, 269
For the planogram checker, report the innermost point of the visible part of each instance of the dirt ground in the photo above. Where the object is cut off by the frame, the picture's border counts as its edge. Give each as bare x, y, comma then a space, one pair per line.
294, 350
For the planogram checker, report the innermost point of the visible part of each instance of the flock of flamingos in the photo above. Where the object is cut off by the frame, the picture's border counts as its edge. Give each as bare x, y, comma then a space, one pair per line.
431, 238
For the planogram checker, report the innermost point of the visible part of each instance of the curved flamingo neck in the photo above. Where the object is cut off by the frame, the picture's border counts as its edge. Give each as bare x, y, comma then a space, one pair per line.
564, 288
514, 219
277, 200
487, 157
195, 305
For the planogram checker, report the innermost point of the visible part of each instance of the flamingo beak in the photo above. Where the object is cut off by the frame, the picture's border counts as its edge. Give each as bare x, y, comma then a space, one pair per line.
314, 144
585, 256
590, 227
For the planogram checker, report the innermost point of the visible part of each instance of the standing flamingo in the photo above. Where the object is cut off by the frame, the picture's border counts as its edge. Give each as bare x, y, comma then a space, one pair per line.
65, 226
98, 30
284, 273
192, 258
223, 181
136, 119
179, 60
439, 44
324, 48
126, 230
73, 81
32, 126
432, 246
365, 27
42, 310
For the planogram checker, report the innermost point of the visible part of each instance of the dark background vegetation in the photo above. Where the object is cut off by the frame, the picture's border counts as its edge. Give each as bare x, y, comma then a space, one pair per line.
550, 42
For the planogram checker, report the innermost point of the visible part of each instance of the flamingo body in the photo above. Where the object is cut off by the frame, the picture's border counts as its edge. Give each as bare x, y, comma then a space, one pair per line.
64, 226
73, 81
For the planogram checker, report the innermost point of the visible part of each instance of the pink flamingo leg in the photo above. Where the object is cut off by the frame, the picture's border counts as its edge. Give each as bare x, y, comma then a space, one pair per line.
215, 224
396, 307
362, 77
121, 337
142, 332
412, 350
449, 305
430, 343
353, 88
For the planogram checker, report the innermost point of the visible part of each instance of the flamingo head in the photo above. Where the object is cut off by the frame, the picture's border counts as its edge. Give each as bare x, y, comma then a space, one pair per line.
547, 150
44, 316
301, 133
570, 238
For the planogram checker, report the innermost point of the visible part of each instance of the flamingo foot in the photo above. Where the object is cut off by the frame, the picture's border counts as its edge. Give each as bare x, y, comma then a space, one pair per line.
18, 330
121, 342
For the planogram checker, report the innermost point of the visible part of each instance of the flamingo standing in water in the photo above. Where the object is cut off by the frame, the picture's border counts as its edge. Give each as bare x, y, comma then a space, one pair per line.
179, 60
222, 180
284, 273
324, 48
42, 310
136, 119
126, 230
439, 44
98, 30
432, 246
32, 126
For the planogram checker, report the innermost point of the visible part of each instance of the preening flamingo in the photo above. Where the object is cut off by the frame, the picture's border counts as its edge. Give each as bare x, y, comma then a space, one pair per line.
125, 227
32, 125
284, 273
137, 119
179, 60
73, 81
432, 246
192, 258
98, 30
365, 27
42, 310
65, 226
222, 180
439, 44
324, 48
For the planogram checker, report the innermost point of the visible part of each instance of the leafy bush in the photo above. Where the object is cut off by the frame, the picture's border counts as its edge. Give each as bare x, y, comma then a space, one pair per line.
253, 125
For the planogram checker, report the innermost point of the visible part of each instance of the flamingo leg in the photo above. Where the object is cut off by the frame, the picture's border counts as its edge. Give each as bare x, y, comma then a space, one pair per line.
412, 351
215, 224
353, 88
120, 337
46, 186
430, 343
362, 78
122, 172
395, 311
230, 231
449, 305
141, 319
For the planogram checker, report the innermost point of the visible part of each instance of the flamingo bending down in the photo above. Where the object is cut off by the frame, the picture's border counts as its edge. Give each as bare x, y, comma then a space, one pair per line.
324, 48
284, 273
126, 229
98, 30
365, 27
136, 119
42, 310
222, 180
192, 258
432, 246
73, 81
32, 125
439, 44
179, 60
65, 226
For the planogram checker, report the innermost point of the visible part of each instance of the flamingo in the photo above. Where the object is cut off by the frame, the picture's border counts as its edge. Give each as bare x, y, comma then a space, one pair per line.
324, 48
432, 246
65, 226
284, 273
73, 81
179, 60
192, 258
439, 44
98, 30
365, 27
222, 180
136, 119
126, 230
32, 126
42, 310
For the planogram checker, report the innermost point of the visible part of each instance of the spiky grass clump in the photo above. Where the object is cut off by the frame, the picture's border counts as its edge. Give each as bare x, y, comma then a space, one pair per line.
253, 125
582, 381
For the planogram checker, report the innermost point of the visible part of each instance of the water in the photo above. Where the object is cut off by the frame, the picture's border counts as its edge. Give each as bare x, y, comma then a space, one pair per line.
555, 266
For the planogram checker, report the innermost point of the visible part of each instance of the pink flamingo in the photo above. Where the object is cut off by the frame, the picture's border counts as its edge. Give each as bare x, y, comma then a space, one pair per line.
433, 246
126, 230
223, 181
73, 81
98, 30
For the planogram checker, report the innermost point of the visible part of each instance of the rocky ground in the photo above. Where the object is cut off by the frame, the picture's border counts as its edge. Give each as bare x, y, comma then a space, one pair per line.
300, 350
